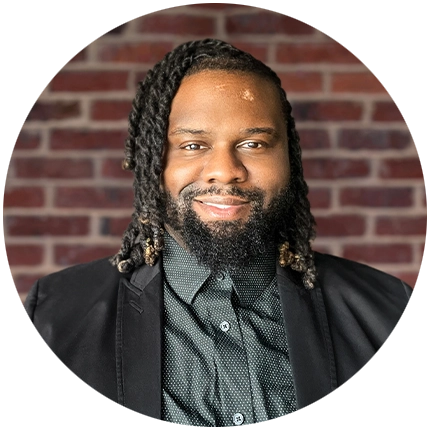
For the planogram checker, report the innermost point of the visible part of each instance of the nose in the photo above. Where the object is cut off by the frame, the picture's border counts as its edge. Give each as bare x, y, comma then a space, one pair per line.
224, 166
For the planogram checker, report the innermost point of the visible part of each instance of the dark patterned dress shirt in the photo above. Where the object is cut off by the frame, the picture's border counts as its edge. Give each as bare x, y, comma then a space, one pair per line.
225, 353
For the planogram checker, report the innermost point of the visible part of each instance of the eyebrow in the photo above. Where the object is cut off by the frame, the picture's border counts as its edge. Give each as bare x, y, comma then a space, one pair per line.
247, 131
261, 130
192, 131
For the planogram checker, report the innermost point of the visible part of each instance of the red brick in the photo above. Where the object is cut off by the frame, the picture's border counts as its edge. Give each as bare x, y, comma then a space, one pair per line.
111, 168
192, 25
108, 110
401, 225
80, 56
44, 111
373, 139
405, 168
53, 168
356, 83
114, 226
258, 50
314, 139
328, 168
319, 197
266, 23
24, 197
81, 197
47, 225
340, 225
216, 6
67, 255
87, 139
385, 253
139, 77
321, 248
376, 197
25, 255
329, 52
327, 111
84, 81
28, 140
23, 283
386, 111
409, 278
301, 81
139, 52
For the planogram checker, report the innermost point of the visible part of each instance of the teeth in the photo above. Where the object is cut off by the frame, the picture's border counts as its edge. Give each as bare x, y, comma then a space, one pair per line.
217, 205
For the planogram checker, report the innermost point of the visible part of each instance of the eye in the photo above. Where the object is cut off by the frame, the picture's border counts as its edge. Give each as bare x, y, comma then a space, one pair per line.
251, 145
193, 147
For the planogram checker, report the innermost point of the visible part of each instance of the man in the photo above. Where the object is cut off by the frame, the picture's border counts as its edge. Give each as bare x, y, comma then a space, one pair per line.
216, 311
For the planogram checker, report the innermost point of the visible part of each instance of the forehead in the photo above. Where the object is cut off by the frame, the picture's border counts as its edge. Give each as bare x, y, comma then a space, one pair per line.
226, 94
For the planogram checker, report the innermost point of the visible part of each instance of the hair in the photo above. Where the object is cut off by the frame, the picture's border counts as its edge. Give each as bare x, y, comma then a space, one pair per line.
142, 241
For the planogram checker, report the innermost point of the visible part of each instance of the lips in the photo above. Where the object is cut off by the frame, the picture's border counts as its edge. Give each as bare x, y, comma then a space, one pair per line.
221, 207
216, 205
221, 201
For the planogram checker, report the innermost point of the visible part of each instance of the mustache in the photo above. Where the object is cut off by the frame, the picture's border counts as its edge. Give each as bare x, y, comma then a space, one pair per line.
191, 192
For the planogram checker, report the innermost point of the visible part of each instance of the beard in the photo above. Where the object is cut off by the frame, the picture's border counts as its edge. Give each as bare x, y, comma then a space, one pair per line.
228, 245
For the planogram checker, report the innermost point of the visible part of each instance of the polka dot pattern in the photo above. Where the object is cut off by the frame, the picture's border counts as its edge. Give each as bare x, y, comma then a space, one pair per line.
225, 354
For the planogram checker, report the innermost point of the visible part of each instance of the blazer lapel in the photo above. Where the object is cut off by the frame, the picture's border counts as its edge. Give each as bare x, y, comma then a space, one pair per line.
308, 337
138, 341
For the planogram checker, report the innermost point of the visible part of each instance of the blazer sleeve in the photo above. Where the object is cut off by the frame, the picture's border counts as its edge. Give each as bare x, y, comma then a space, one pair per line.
31, 300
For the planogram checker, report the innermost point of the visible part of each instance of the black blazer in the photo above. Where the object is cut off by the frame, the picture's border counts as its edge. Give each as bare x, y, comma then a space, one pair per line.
107, 327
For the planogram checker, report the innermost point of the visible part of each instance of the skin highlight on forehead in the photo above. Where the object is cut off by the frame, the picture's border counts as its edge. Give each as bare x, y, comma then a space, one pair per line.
244, 94
247, 95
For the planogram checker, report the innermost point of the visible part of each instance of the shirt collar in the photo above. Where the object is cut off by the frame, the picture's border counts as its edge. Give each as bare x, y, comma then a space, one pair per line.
183, 273
186, 276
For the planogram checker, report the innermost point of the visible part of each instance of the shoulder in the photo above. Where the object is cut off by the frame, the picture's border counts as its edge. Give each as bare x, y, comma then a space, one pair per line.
351, 273
97, 267
361, 289
74, 287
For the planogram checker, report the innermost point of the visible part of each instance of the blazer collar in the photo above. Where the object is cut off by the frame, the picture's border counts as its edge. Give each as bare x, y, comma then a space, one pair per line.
139, 340
139, 337
309, 341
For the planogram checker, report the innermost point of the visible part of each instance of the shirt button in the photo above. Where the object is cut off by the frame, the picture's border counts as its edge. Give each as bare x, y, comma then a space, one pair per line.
225, 326
238, 419
220, 276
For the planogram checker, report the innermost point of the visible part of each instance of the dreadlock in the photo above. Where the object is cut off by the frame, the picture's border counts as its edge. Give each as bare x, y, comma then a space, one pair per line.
148, 122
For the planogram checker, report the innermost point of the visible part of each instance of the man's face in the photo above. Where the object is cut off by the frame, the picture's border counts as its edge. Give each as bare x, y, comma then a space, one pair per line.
226, 130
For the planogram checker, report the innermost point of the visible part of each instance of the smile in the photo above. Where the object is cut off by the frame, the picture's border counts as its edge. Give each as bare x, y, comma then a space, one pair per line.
222, 202
221, 207
217, 205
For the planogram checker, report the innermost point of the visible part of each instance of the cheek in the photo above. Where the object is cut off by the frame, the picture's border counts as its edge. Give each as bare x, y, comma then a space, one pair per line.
283, 170
177, 176
273, 176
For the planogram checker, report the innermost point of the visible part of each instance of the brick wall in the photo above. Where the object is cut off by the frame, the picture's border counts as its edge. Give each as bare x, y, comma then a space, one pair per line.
67, 200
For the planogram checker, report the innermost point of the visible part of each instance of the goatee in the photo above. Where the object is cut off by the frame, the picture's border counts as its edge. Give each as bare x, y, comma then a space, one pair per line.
227, 245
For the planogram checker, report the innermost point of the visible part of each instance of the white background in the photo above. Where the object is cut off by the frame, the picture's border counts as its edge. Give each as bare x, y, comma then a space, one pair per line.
35, 36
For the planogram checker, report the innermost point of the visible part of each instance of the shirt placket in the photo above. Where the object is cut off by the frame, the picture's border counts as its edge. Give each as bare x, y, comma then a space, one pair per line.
232, 394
